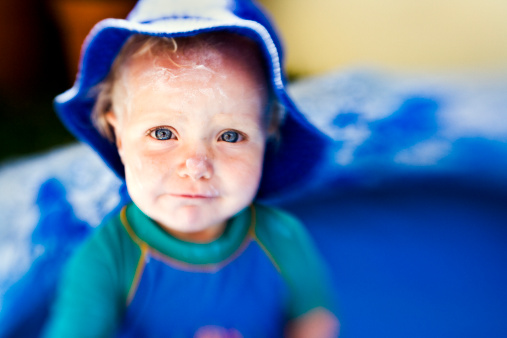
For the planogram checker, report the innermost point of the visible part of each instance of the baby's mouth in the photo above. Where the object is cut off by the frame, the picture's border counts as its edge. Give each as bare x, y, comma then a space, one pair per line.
195, 196
195, 193
192, 196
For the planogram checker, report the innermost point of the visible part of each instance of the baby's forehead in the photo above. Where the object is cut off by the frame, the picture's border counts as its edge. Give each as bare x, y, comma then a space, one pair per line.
196, 63
181, 64
219, 54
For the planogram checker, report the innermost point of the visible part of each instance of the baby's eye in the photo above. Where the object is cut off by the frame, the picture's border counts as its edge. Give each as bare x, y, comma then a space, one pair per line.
231, 136
162, 134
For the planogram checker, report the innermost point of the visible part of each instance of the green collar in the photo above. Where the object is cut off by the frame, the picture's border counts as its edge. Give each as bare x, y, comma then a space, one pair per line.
149, 235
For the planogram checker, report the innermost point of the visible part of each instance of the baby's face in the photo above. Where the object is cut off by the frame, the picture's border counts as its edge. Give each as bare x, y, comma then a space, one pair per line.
192, 142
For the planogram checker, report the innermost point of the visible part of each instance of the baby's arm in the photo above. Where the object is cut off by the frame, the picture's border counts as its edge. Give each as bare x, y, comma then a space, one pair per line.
89, 301
318, 323
311, 297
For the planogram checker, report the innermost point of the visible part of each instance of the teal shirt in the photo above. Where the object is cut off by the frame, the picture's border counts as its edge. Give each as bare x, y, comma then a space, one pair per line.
103, 276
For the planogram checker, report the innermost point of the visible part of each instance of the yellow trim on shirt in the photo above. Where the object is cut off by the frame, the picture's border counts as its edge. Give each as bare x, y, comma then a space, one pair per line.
256, 239
139, 272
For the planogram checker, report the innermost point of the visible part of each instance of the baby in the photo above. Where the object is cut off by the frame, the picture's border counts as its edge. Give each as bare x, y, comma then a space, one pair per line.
191, 116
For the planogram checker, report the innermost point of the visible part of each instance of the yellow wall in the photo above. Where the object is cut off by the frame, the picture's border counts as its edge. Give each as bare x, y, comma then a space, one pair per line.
397, 34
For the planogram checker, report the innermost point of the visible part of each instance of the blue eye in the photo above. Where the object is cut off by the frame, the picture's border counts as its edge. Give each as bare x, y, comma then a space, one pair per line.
162, 134
230, 136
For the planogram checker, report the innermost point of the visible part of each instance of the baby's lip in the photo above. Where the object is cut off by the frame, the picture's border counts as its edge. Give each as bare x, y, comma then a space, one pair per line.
194, 195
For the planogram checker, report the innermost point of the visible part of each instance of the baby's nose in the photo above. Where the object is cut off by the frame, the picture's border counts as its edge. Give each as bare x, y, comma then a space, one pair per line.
197, 167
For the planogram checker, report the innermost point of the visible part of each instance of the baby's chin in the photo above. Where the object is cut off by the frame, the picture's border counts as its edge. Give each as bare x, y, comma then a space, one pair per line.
199, 215
194, 225
191, 220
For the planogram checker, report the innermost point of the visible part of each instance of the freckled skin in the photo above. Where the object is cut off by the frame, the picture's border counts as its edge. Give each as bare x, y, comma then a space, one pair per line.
194, 182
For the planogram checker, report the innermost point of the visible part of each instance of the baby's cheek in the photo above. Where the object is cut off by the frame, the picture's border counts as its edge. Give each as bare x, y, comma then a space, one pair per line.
244, 170
145, 170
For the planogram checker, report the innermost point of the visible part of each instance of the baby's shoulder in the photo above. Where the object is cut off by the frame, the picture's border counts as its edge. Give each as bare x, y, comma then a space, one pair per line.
110, 233
274, 224
109, 244
284, 237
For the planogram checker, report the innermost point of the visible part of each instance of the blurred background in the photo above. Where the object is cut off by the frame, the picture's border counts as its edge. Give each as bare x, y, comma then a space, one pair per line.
409, 35
412, 218
40, 42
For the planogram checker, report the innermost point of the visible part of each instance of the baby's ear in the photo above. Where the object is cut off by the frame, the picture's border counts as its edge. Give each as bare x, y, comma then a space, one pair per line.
276, 115
112, 120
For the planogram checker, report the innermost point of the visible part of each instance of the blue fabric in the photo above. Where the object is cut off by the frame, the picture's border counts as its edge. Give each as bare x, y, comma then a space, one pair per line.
247, 295
288, 165
414, 258
57, 234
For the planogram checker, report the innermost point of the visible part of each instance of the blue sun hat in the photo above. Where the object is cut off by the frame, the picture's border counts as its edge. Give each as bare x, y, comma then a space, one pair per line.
289, 165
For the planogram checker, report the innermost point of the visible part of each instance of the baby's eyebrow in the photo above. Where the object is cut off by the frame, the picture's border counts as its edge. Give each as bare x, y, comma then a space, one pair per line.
235, 113
237, 117
160, 118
